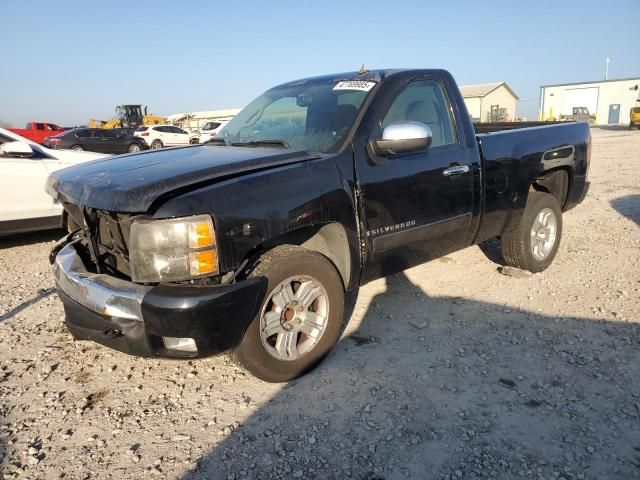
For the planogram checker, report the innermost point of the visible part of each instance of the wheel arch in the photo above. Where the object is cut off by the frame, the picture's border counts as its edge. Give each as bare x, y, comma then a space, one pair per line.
329, 239
556, 181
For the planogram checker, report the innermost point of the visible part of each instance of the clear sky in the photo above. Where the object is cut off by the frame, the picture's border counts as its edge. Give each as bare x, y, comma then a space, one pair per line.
68, 61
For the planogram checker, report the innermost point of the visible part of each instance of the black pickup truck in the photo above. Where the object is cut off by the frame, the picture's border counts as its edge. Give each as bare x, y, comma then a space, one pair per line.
252, 242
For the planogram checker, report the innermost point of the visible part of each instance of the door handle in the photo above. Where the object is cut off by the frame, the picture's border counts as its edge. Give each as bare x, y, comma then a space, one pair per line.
457, 170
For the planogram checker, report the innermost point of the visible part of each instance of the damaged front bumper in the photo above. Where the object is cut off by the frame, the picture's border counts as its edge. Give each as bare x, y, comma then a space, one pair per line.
153, 321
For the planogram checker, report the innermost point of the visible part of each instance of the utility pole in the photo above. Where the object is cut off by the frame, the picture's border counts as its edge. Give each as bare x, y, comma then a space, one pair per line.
606, 69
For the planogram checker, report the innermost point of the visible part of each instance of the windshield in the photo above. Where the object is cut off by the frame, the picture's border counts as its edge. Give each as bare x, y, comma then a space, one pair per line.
315, 116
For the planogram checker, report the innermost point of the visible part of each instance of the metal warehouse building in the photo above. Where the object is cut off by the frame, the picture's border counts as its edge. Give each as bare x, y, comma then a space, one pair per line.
610, 100
490, 102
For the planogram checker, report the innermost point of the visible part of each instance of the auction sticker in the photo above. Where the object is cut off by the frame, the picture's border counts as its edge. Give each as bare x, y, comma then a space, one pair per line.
355, 85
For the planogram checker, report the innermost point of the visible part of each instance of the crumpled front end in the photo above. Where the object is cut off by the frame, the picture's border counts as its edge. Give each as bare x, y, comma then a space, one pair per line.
179, 320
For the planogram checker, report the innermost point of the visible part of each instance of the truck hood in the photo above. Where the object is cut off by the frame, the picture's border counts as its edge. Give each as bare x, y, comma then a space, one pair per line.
131, 183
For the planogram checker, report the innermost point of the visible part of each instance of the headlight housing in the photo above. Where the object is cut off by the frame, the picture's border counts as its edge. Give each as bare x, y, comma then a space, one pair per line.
172, 250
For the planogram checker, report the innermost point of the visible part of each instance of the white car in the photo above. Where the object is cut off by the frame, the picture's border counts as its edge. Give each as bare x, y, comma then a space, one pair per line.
24, 168
158, 136
210, 129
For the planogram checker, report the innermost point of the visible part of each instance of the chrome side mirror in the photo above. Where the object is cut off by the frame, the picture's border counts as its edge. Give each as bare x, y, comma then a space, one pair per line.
402, 137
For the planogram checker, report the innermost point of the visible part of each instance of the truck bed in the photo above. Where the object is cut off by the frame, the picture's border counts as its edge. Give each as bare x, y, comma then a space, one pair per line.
513, 158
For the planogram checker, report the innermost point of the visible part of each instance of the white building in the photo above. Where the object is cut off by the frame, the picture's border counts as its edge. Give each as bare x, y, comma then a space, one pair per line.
609, 100
490, 102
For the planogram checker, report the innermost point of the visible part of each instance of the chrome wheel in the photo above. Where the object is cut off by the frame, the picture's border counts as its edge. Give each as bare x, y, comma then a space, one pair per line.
294, 317
77, 148
543, 233
134, 147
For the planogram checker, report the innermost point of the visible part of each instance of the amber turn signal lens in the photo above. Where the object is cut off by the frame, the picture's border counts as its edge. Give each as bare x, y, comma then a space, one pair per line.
203, 262
201, 234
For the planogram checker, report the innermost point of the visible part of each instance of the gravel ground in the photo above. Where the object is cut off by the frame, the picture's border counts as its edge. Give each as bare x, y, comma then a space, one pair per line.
449, 370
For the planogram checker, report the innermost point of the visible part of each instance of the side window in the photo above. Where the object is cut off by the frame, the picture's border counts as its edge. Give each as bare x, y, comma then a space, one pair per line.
39, 126
162, 129
424, 101
109, 134
83, 133
178, 130
96, 133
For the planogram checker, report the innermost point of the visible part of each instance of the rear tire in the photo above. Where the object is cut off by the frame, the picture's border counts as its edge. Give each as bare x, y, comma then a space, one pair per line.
303, 307
77, 148
533, 244
156, 145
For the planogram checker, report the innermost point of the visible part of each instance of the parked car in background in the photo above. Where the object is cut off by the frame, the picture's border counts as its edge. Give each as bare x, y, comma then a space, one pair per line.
38, 131
634, 118
579, 114
24, 167
211, 129
97, 140
158, 136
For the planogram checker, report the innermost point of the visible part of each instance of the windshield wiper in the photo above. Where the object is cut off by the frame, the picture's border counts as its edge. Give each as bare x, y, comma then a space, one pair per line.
276, 142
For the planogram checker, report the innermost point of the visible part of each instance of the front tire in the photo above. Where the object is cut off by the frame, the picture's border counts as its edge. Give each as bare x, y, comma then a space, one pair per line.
300, 318
533, 244
194, 141
134, 148
156, 145
77, 148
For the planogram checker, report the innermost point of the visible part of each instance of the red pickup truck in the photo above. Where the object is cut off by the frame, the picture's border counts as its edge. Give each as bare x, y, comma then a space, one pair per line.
37, 131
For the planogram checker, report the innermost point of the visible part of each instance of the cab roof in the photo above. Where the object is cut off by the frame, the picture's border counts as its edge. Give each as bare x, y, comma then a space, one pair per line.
378, 75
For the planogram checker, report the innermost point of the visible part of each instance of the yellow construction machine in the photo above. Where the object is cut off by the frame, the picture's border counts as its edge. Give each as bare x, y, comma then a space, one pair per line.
128, 116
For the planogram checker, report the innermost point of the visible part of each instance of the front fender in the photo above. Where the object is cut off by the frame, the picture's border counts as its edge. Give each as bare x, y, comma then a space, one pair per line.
252, 209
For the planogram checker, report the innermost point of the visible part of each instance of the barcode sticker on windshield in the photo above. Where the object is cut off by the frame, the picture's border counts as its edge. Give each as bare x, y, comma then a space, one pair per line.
355, 85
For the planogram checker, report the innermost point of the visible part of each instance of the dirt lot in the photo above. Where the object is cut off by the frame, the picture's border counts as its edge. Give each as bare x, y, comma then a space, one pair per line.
450, 370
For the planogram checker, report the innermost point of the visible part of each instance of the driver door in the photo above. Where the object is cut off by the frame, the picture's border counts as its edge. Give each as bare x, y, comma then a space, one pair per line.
111, 142
417, 204
180, 137
166, 135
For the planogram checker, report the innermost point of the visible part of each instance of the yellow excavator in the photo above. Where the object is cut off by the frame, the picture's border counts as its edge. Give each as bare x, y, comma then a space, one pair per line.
128, 116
